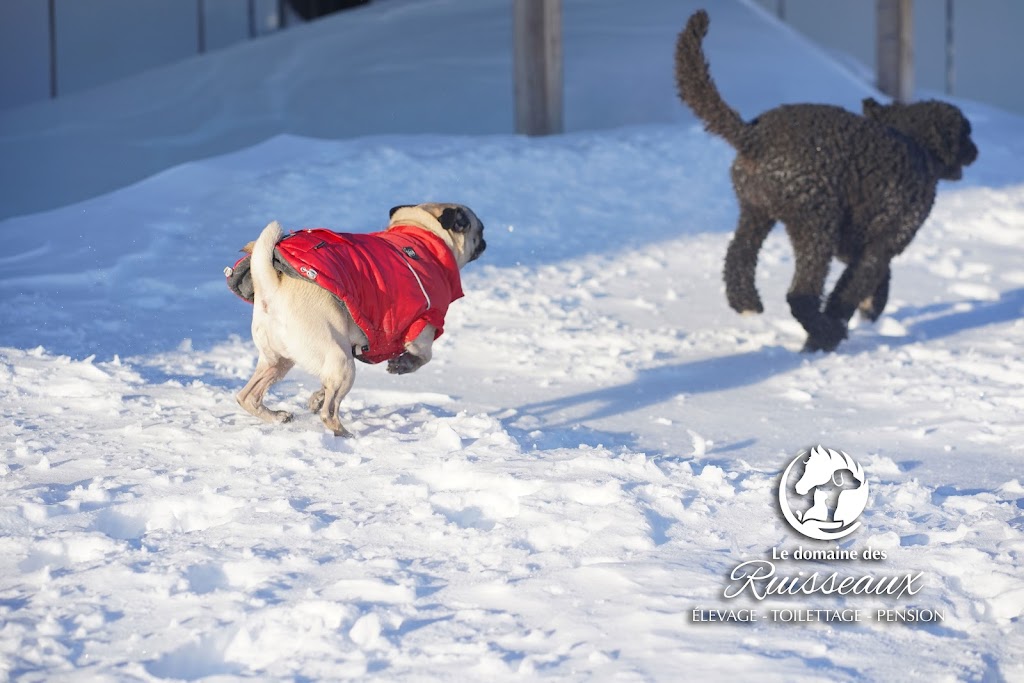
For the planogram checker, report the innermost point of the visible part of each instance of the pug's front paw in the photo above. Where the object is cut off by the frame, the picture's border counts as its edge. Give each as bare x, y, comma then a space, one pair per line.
404, 364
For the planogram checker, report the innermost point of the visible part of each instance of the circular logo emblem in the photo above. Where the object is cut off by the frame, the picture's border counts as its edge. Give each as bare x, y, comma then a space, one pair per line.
822, 493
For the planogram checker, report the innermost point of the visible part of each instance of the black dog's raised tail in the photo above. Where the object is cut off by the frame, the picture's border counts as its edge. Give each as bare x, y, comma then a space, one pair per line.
696, 89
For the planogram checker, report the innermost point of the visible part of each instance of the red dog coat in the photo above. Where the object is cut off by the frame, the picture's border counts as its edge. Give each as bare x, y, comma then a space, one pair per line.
393, 283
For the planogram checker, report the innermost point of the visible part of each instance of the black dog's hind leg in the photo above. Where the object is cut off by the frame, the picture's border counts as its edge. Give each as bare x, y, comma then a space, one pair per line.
741, 259
872, 307
813, 257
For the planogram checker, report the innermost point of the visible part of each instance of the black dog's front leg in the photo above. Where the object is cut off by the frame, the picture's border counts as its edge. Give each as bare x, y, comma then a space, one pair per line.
872, 307
865, 280
813, 257
824, 333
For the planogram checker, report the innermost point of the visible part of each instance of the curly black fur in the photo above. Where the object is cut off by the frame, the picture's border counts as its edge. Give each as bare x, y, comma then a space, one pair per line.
847, 186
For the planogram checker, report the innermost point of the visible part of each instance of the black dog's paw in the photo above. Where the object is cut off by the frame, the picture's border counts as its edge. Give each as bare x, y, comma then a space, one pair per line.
870, 310
870, 314
826, 337
748, 303
756, 309
404, 364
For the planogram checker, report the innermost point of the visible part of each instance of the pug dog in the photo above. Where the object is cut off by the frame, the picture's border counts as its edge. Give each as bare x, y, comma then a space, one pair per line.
322, 300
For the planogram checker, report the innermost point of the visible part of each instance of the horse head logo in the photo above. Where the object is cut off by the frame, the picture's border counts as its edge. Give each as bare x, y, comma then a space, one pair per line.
832, 492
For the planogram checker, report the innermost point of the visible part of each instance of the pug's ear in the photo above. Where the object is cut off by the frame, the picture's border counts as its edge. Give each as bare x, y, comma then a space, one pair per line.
391, 213
454, 220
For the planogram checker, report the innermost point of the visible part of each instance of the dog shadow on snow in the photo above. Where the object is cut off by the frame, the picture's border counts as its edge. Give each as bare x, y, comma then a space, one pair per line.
654, 386
944, 319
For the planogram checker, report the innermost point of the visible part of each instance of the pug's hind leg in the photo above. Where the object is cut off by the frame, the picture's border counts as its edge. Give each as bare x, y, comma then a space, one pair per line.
316, 400
339, 375
251, 396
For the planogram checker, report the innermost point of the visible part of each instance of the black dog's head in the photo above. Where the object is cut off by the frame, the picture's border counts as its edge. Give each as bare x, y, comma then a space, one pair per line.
938, 127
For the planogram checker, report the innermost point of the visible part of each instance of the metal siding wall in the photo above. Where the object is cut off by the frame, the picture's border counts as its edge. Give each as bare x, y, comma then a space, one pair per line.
930, 47
124, 37
837, 25
101, 40
24, 52
227, 22
989, 52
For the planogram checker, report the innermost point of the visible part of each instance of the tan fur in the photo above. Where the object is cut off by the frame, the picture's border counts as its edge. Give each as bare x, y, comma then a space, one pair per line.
296, 322
425, 216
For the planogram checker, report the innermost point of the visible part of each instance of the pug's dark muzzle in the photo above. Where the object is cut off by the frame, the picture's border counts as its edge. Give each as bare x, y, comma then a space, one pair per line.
479, 250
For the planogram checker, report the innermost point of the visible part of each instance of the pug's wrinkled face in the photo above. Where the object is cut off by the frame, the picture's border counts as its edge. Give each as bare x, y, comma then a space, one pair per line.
462, 225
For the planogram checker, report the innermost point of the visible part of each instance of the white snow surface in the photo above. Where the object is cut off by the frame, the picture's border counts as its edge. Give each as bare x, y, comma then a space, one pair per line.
597, 442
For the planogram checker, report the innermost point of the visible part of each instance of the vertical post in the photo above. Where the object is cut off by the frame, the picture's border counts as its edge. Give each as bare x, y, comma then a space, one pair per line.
895, 48
200, 26
52, 20
537, 53
282, 15
780, 9
950, 62
252, 19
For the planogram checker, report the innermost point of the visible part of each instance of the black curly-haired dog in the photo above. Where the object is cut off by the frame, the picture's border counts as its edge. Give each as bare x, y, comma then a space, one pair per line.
847, 186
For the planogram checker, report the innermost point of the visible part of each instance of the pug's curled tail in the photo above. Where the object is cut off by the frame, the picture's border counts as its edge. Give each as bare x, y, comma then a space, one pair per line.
696, 89
265, 279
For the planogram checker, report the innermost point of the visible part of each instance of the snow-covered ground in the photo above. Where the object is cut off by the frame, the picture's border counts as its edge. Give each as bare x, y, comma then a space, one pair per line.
596, 445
